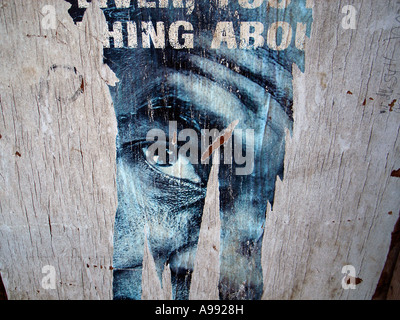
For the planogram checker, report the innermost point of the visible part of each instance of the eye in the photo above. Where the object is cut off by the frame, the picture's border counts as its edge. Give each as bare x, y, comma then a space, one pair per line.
180, 169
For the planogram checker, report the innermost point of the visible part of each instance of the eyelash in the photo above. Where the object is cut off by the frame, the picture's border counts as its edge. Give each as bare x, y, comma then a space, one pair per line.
180, 169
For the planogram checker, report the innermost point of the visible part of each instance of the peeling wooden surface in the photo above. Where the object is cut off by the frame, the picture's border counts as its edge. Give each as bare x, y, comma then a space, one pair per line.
3, 293
206, 271
331, 209
57, 165
394, 288
152, 288
57, 147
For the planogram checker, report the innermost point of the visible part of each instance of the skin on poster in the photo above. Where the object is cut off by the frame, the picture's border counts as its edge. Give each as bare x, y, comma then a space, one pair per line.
188, 70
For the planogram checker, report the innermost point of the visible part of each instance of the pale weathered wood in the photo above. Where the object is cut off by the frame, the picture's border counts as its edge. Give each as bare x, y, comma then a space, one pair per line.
332, 207
57, 166
206, 273
57, 154
152, 288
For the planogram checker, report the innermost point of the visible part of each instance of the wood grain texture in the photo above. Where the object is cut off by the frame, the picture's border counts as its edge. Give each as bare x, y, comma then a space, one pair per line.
332, 207
206, 271
152, 288
57, 168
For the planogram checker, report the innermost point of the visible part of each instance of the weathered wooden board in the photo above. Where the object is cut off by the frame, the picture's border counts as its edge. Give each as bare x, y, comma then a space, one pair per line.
58, 193
338, 203
58, 197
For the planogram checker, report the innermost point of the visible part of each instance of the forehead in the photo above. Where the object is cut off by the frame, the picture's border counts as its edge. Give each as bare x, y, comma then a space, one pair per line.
156, 74
145, 73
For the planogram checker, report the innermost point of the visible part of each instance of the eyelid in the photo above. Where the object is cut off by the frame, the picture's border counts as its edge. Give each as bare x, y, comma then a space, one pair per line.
192, 178
133, 143
181, 169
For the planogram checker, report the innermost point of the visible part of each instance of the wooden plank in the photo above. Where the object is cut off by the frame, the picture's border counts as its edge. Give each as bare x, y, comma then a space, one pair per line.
332, 207
57, 165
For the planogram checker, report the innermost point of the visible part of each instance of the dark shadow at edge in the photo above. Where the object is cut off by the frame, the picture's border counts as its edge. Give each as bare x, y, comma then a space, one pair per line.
383, 287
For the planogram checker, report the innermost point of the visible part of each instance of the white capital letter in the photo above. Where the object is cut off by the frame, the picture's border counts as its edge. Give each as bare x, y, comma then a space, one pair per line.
148, 33
122, 3
132, 34
301, 30
145, 4
189, 5
224, 32
85, 4
187, 37
222, 3
116, 34
279, 4
256, 34
247, 5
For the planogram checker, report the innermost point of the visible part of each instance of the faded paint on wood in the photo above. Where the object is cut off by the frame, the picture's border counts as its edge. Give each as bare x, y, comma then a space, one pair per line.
57, 166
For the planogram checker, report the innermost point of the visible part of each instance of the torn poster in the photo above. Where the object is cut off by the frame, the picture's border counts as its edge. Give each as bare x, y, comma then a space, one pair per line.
196, 77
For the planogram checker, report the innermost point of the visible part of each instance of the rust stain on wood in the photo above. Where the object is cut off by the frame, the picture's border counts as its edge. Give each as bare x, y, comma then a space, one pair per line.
395, 173
174, 139
82, 86
357, 281
224, 137
391, 105
322, 79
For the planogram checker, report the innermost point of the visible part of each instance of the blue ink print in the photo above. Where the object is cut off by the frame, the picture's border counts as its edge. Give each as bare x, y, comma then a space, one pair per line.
198, 66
